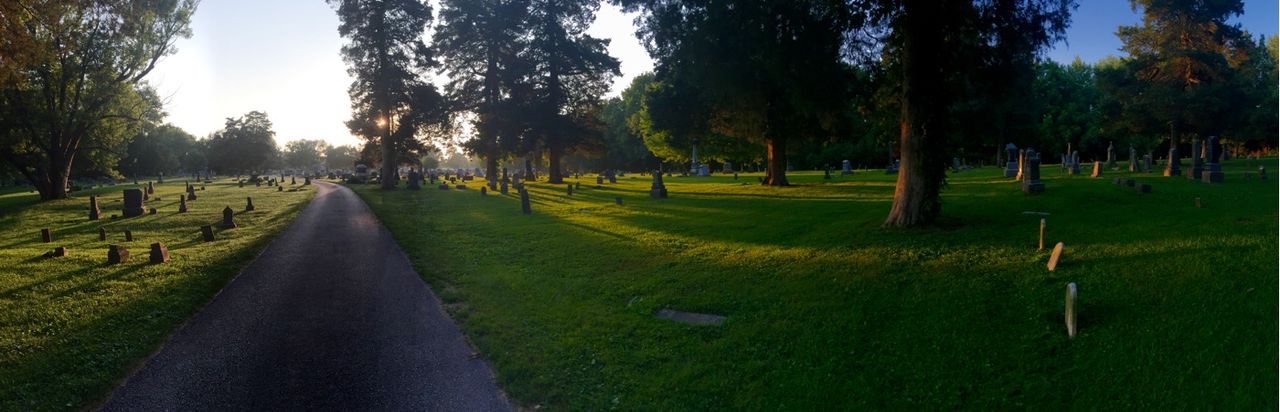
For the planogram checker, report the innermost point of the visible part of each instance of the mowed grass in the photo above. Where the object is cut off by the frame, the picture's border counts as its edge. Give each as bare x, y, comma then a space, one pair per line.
826, 310
71, 327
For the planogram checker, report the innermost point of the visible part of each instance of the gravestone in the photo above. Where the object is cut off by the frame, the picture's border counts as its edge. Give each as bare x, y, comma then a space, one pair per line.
117, 254
1197, 163
102, 233
1111, 155
133, 203
690, 318
248, 204
1133, 159
599, 180
1070, 315
1056, 257
60, 251
1097, 169
415, 180
191, 193
306, 180
94, 212
159, 253
160, 177
152, 211
484, 190
151, 189
1011, 167
1042, 224
617, 200
1146, 163
524, 202
613, 179
460, 187
182, 204
45, 236
1031, 183
846, 168
443, 186
128, 235
658, 190
279, 188
1212, 167
241, 184
227, 215
1173, 166
569, 190
206, 232
1075, 163
1022, 164
892, 169
502, 186
293, 180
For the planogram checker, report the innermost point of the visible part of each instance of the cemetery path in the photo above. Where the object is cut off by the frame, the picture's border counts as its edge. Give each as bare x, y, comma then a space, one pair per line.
330, 316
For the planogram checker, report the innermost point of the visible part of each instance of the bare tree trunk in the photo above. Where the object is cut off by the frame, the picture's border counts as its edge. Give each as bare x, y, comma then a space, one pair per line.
553, 160
776, 172
389, 158
916, 198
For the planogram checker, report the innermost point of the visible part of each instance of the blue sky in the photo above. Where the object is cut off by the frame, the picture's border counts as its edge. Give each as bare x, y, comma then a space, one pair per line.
281, 57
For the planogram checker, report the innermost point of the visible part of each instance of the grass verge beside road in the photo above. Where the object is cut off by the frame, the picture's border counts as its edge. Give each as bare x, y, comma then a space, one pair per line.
71, 327
826, 310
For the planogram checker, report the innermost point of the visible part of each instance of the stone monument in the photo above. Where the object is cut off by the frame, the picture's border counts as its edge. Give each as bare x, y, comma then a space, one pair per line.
1031, 175
1011, 168
133, 206
1197, 163
94, 212
1111, 155
657, 190
1173, 168
1212, 168
227, 214
846, 168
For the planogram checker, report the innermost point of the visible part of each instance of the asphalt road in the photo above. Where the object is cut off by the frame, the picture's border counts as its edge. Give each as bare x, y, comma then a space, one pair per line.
330, 317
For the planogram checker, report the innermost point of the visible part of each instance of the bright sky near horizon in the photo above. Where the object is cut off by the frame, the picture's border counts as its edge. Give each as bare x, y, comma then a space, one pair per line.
281, 57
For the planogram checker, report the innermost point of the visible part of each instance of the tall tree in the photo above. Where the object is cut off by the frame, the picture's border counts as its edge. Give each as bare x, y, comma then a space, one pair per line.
571, 70
245, 145
71, 79
163, 149
766, 71
1185, 54
341, 157
304, 154
390, 100
479, 42
937, 39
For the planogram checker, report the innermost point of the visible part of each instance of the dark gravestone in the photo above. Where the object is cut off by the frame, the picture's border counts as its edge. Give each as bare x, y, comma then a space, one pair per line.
306, 180
227, 215
524, 202
128, 235
152, 211
484, 190
460, 187
279, 188
617, 200
599, 180
94, 212
191, 193
1031, 175
241, 183
133, 203
151, 189
1133, 159
182, 204
159, 253
414, 180
1197, 163
1212, 167
569, 190
658, 190
248, 204
503, 186
1074, 160
102, 234
293, 180
206, 232
613, 178
117, 254
1111, 155
1174, 168
1011, 167
60, 251
45, 236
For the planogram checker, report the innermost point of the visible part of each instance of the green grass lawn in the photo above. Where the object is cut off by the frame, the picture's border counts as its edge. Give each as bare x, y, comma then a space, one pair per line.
826, 310
71, 327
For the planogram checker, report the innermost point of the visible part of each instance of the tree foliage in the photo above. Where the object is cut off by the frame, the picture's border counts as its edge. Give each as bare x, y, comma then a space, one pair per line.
245, 145
72, 81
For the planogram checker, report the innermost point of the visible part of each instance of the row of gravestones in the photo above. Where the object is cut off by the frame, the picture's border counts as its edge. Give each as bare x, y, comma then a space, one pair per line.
657, 190
118, 253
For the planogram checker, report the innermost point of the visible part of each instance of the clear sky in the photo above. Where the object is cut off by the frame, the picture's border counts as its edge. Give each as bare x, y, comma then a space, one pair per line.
281, 57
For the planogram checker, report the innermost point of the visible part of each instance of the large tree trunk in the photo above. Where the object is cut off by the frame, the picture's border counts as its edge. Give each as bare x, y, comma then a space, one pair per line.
389, 160
776, 172
923, 125
553, 160
491, 172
